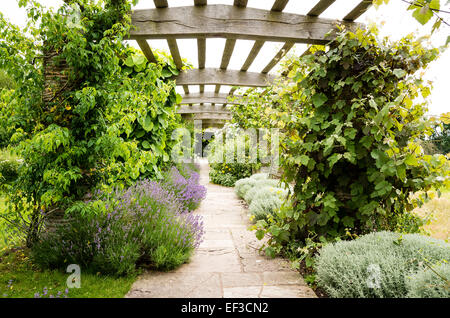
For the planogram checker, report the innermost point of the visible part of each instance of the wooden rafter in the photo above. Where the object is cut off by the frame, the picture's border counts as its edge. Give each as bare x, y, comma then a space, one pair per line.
279, 5
358, 10
320, 7
147, 50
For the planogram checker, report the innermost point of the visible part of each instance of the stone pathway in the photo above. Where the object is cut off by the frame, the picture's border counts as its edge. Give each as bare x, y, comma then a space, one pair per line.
227, 264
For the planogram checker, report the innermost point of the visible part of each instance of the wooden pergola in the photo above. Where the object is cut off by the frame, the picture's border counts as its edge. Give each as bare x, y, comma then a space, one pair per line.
232, 22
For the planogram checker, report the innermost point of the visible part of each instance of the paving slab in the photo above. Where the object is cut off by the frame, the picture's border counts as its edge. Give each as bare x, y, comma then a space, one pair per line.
227, 263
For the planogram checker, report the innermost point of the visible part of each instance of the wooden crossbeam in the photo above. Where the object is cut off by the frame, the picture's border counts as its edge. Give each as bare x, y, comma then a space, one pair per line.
320, 7
184, 109
145, 48
208, 97
231, 22
212, 116
358, 10
213, 76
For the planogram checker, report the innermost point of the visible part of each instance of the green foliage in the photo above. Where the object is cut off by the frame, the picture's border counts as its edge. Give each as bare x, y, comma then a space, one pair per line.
145, 224
222, 178
266, 200
231, 158
20, 279
110, 123
377, 264
9, 166
349, 139
6, 81
263, 195
440, 138
433, 282
243, 185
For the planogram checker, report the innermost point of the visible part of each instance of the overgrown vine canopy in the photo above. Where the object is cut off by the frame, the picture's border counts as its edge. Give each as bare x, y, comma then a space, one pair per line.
88, 110
351, 118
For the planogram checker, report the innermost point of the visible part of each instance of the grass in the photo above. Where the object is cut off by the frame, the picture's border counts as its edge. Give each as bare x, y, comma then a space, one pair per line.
19, 278
438, 210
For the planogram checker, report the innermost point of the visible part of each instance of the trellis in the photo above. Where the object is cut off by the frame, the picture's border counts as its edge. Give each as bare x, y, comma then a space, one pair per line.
232, 22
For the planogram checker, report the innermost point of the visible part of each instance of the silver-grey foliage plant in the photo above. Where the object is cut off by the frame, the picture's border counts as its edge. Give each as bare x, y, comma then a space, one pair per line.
380, 265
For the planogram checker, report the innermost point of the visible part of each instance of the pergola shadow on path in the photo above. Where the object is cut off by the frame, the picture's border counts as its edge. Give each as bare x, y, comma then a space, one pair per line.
232, 22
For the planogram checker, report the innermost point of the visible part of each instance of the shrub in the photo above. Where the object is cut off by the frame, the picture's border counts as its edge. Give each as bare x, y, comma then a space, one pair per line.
227, 174
243, 185
231, 156
263, 195
430, 283
144, 224
376, 264
258, 186
224, 179
267, 200
260, 176
9, 167
186, 188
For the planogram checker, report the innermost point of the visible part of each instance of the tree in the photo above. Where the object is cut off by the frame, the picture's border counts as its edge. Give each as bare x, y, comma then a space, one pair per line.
93, 112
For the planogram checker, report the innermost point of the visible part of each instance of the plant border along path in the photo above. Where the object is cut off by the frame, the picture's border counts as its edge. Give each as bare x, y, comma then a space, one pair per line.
227, 263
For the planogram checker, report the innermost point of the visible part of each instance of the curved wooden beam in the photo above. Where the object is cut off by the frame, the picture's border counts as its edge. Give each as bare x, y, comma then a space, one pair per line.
231, 22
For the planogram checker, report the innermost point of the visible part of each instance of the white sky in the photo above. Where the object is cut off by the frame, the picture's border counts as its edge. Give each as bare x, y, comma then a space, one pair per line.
392, 19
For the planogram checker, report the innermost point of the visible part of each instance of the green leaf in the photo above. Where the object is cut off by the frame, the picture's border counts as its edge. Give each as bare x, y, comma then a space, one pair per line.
319, 99
333, 159
423, 14
350, 132
303, 159
139, 133
399, 72
166, 73
179, 99
259, 234
174, 70
138, 59
411, 160
148, 123
366, 141
146, 144
129, 61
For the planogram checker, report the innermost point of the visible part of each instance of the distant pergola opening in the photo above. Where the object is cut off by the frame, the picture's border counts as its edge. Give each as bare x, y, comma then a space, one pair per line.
232, 22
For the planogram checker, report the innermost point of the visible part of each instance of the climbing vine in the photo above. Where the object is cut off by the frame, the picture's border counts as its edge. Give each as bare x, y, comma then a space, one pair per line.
88, 111
351, 117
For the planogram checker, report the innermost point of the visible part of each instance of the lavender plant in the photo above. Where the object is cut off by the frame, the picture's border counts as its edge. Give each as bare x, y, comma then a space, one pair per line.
186, 188
146, 224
